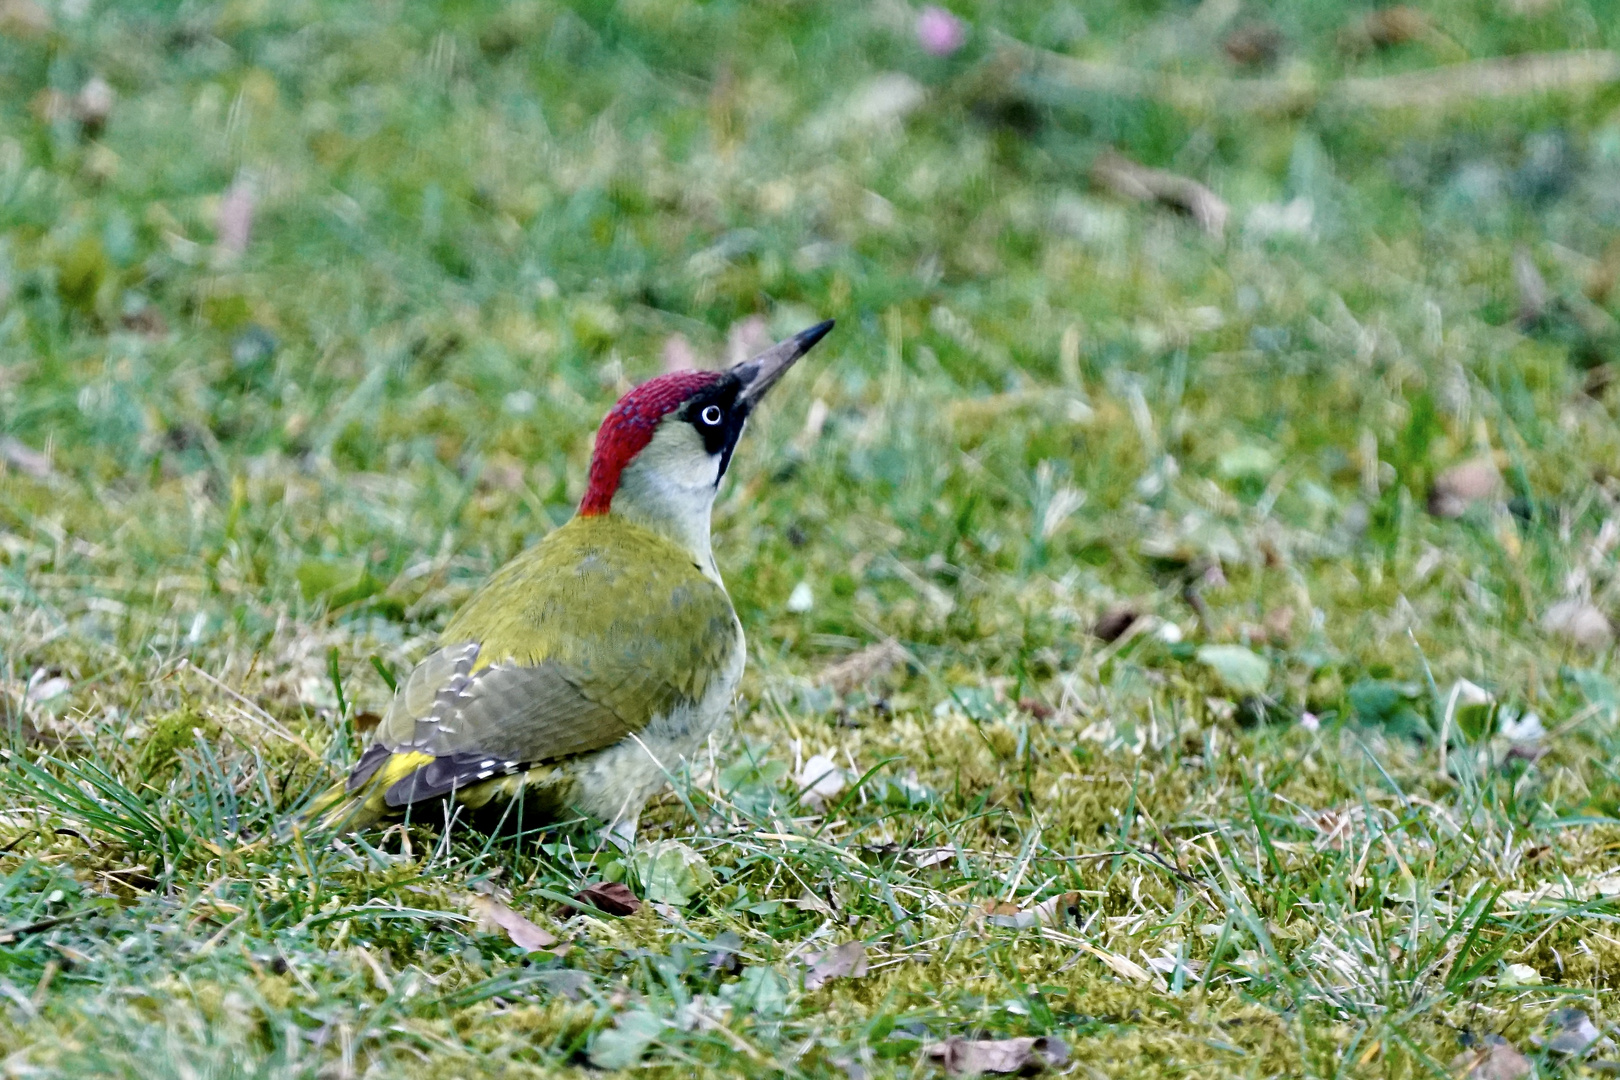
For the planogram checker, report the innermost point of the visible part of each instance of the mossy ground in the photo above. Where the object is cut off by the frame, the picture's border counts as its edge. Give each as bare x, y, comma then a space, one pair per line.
252, 466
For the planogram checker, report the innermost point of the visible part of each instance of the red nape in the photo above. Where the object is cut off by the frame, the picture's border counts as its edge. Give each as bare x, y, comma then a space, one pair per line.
629, 426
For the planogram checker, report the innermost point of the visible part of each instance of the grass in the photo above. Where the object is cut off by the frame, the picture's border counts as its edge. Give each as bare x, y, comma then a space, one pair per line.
1297, 822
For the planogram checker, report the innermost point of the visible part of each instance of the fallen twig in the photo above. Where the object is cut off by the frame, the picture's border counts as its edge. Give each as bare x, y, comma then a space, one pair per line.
1130, 180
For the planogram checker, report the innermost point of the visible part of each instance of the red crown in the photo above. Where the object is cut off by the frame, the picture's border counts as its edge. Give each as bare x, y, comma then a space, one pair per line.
629, 426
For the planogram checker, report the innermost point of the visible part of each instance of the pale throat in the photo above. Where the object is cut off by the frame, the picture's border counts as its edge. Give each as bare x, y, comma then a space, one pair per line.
670, 490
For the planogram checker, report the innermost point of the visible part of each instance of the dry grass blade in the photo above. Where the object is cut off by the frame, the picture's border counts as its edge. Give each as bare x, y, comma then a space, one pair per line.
1483, 80
252, 711
1434, 89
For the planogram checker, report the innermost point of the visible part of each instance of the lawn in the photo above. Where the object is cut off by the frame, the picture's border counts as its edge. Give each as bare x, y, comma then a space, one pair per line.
1178, 593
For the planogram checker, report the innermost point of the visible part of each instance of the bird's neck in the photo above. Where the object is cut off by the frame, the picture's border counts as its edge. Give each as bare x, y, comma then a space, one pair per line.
677, 512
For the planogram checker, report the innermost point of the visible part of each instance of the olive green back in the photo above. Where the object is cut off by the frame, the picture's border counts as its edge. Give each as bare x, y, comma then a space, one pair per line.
582, 640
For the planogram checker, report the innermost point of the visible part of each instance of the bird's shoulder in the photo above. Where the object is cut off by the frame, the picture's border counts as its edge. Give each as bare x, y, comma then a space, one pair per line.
595, 588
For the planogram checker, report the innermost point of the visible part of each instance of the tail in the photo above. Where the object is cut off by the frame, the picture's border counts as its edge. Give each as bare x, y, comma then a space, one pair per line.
359, 801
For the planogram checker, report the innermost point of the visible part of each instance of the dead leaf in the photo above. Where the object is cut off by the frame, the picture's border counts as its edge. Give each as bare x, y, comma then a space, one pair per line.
1114, 622
1385, 29
148, 322
365, 721
1123, 966
1060, 910
493, 915
1579, 622
859, 668
1130, 180
25, 459
808, 901
1040, 710
923, 858
1573, 1033
846, 961
1254, 45
1461, 486
1494, 1059
970, 1057
1010, 916
820, 780
609, 896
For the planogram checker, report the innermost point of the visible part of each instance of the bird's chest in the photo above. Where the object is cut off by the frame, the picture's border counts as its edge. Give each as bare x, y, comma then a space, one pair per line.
629, 771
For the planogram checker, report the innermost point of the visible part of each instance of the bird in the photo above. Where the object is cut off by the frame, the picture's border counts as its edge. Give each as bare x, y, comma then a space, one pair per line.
583, 671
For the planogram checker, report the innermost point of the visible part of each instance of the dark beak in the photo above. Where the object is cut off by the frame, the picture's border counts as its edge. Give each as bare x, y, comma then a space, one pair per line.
760, 374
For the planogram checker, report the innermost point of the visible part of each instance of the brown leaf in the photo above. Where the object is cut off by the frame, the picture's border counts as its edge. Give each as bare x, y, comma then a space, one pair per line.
1114, 622
493, 915
148, 322
366, 721
609, 896
1393, 26
1461, 486
1254, 45
846, 961
969, 1057
1011, 916
1040, 710
1496, 1059
1130, 180
861, 667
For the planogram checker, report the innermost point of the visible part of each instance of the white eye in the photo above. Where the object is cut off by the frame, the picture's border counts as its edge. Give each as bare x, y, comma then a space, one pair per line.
711, 415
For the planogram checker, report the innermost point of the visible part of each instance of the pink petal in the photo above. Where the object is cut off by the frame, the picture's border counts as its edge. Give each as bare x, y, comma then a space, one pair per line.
939, 32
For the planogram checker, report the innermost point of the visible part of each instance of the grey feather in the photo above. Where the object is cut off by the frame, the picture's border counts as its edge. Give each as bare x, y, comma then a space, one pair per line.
518, 715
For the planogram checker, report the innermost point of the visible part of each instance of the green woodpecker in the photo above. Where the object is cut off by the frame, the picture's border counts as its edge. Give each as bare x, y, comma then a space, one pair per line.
590, 665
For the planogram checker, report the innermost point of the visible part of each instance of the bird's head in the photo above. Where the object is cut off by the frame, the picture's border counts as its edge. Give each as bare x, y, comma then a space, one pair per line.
662, 450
